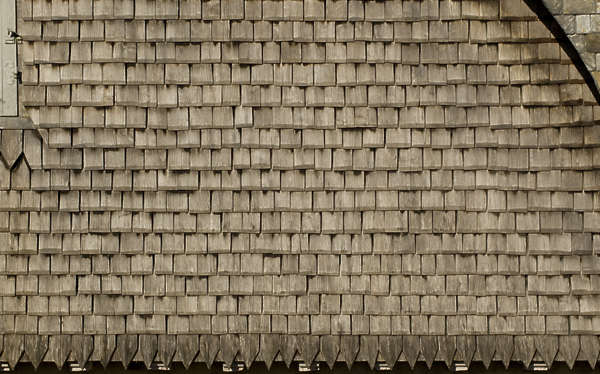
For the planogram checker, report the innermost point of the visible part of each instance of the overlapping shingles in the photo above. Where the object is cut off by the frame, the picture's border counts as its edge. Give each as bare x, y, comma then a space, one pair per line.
287, 167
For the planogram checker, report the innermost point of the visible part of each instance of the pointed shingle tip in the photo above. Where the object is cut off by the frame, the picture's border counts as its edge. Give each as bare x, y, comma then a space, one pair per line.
11, 146
325, 349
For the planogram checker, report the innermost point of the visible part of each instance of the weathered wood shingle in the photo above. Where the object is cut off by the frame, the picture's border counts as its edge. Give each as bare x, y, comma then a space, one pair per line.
318, 180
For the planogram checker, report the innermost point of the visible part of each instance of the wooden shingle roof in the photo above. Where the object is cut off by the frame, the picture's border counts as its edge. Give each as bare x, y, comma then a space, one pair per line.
211, 181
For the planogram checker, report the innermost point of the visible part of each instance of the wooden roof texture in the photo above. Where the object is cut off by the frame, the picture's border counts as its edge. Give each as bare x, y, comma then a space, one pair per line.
336, 180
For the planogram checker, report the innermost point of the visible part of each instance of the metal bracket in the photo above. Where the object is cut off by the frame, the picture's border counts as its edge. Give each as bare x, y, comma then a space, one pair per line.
13, 38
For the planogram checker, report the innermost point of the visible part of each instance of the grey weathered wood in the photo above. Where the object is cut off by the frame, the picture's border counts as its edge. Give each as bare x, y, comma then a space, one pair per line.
127, 346
547, 346
590, 348
486, 346
369, 347
249, 348
429, 348
209, 347
8, 54
288, 348
32, 144
11, 146
16, 123
524, 349
447, 349
36, 347
412, 276
330, 348
230, 346
187, 349
308, 347
148, 348
167, 346
390, 347
44, 135
269, 347
569, 349
59, 348
465, 349
105, 345
505, 348
411, 345
349, 346
13, 349
82, 347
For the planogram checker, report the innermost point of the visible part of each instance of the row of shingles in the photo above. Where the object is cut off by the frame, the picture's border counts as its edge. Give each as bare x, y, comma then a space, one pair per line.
387, 318
203, 132
338, 151
549, 199
436, 138
140, 246
210, 138
334, 10
483, 305
486, 275
560, 155
226, 127
404, 150
293, 34
538, 244
51, 75
185, 31
220, 324
459, 170
321, 236
265, 217
110, 66
23, 245
431, 216
364, 274
377, 243
177, 69
278, 88
167, 245
300, 324
385, 73
317, 239
509, 53
199, 119
449, 187
246, 206
35, 29
540, 197
469, 87
234, 163
282, 118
